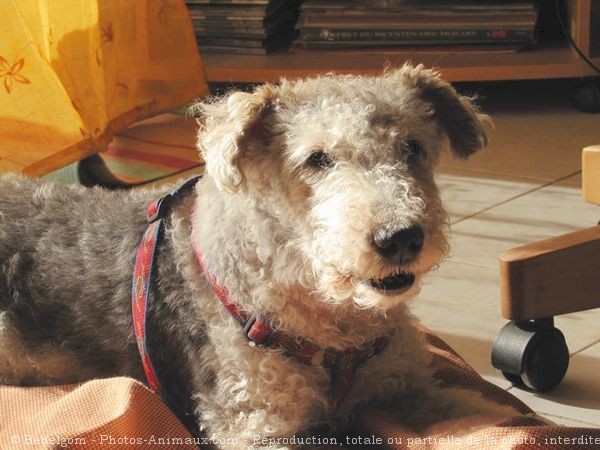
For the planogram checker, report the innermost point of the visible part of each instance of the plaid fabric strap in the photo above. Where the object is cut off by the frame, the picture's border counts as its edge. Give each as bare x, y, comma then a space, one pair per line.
341, 364
143, 274
140, 297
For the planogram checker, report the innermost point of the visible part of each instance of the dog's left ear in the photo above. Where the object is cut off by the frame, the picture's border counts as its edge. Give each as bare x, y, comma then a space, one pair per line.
458, 115
229, 128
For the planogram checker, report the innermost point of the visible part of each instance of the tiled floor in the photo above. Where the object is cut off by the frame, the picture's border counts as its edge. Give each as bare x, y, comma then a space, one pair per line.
523, 188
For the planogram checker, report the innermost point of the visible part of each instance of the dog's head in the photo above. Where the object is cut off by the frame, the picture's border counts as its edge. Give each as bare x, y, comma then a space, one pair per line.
346, 164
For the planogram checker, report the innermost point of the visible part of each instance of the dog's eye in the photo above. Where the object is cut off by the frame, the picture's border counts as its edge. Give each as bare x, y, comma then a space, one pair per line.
414, 147
319, 159
414, 151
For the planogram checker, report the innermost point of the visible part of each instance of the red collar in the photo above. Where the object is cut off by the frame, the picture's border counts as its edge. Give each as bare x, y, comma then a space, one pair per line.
342, 364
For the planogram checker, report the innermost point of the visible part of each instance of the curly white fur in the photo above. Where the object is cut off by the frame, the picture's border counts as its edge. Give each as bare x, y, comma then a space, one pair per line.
311, 231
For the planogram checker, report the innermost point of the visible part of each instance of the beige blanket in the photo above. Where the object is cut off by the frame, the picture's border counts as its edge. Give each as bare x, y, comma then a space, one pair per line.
120, 413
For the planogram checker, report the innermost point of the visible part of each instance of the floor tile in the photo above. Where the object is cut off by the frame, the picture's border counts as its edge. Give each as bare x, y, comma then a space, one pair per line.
577, 398
567, 421
545, 213
573, 181
466, 192
580, 329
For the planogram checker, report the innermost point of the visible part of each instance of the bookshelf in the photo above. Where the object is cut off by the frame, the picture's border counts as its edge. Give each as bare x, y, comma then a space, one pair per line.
552, 58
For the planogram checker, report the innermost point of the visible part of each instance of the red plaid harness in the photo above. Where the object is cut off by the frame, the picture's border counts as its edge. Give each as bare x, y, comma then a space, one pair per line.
342, 364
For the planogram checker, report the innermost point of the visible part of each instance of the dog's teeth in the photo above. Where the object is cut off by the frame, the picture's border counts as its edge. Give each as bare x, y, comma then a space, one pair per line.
394, 283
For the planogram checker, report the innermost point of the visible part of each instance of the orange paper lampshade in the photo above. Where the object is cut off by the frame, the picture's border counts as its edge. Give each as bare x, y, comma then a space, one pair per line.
73, 72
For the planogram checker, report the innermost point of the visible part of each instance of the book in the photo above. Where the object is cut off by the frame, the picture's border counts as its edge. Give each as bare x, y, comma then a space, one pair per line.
242, 11
247, 42
330, 38
412, 5
238, 26
389, 20
227, 2
234, 50
244, 31
380, 23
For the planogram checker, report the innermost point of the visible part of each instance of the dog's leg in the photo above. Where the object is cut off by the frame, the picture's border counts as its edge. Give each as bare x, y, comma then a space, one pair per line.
19, 366
16, 367
13, 367
260, 399
250, 425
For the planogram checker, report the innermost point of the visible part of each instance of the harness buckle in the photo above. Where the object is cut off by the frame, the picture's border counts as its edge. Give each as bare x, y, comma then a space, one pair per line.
159, 208
257, 331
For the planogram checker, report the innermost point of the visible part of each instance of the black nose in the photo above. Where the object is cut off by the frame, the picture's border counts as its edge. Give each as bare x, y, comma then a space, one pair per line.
399, 246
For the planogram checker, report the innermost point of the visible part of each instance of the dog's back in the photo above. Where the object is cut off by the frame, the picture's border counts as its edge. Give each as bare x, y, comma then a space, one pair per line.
66, 262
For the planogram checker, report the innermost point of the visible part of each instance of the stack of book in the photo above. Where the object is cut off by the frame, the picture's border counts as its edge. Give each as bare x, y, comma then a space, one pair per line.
329, 24
243, 26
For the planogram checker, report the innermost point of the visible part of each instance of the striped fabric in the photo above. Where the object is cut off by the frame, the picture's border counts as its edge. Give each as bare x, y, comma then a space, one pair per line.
153, 149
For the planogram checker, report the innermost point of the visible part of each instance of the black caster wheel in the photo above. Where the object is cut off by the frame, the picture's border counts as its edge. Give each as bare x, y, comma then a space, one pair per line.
531, 354
585, 95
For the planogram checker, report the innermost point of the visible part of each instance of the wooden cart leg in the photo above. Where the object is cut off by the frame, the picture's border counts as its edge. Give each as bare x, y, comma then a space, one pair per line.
539, 281
556, 276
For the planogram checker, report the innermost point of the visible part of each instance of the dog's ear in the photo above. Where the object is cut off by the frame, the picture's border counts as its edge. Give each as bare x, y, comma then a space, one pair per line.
229, 127
457, 114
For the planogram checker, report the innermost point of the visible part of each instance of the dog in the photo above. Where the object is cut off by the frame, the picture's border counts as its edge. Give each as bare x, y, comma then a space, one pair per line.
318, 215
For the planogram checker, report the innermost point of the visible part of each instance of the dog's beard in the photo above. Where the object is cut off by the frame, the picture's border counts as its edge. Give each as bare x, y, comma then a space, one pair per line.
345, 290
371, 284
342, 291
